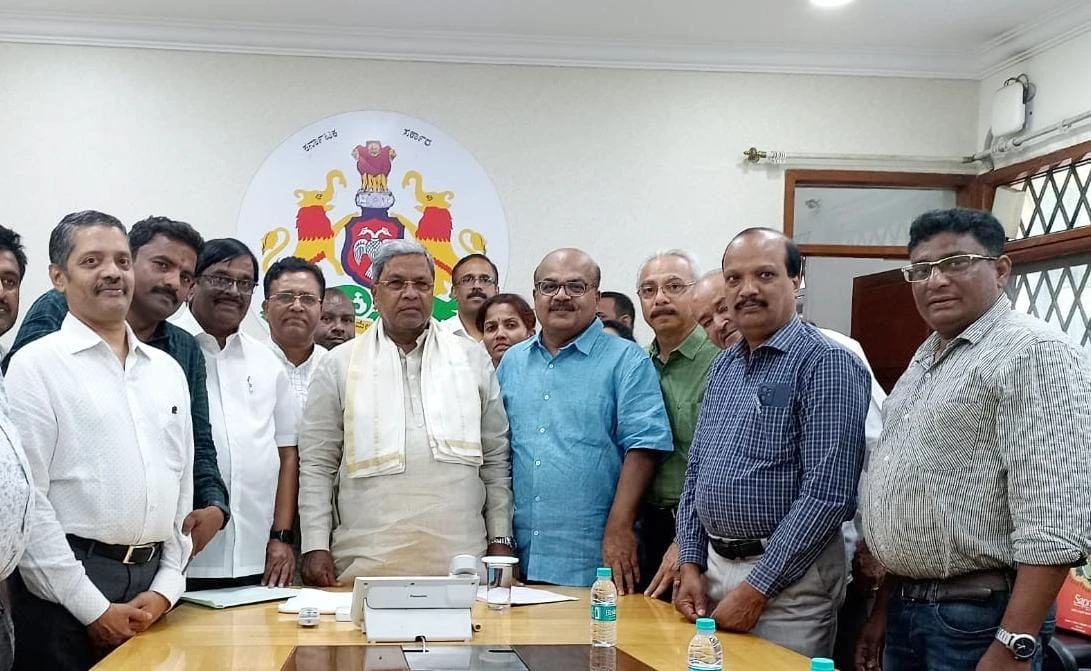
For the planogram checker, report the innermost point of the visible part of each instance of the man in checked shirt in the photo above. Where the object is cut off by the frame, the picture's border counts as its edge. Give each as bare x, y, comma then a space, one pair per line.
774, 463
978, 492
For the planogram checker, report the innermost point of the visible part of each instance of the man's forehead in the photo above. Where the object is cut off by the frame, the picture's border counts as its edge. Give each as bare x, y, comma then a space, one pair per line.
946, 244
409, 264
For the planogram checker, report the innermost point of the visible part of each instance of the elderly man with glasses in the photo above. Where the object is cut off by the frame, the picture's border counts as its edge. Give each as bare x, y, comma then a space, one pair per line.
978, 491
254, 415
404, 458
588, 428
475, 279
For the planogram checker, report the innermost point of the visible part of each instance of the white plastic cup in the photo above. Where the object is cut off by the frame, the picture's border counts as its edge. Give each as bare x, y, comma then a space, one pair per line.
499, 573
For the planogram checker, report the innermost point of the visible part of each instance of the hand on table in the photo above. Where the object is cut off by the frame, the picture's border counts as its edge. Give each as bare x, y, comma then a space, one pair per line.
689, 596
667, 576
740, 609
318, 569
279, 564
619, 553
114, 627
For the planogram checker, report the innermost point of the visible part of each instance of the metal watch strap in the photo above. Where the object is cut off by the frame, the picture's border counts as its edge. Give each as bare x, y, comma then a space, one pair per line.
503, 540
1009, 640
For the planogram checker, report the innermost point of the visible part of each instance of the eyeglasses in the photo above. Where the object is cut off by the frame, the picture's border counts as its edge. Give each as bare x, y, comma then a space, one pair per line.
401, 285
575, 288
286, 298
483, 280
223, 283
952, 265
671, 288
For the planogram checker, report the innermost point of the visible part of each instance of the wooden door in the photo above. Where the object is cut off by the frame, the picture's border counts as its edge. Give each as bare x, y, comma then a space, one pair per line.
886, 323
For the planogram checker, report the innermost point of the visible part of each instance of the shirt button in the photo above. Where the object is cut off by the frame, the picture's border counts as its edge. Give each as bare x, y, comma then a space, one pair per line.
551, 365
535, 532
537, 498
905, 416
537, 462
546, 397
927, 376
541, 429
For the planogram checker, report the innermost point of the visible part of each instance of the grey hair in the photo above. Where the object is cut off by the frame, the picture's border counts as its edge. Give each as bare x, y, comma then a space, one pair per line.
689, 258
393, 248
60, 240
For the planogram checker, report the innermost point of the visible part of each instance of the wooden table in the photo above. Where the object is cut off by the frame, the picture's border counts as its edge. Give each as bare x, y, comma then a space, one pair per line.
258, 637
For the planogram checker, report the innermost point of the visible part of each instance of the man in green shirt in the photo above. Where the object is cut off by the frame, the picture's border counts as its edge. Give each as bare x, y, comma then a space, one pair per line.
682, 355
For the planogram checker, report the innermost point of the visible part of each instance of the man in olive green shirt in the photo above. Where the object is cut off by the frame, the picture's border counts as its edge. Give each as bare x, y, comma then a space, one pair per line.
682, 354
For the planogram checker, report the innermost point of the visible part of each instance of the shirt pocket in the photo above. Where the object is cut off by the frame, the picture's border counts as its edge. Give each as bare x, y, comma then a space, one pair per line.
770, 433
948, 436
175, 447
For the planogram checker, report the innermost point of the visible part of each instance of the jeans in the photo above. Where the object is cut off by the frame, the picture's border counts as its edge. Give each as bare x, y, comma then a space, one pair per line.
947, 635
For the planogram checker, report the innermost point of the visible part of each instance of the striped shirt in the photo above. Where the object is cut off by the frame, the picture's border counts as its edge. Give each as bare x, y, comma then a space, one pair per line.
777, 452
985, 456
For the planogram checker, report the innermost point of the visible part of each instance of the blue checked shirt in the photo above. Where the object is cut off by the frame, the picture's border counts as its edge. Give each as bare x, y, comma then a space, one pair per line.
573, 418
777, 452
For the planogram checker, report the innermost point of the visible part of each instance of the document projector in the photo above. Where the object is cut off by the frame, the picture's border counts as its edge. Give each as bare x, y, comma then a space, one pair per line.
410, 608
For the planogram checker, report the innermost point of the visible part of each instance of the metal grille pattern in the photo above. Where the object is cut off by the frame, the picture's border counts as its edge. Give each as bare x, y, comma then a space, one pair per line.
1058, 200
1056, 295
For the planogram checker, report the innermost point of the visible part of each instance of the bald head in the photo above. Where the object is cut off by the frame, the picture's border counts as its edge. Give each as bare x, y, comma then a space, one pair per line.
711, 310
565, 295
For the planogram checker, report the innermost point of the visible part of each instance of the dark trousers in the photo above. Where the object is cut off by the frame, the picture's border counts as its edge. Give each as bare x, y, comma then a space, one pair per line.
948, 635
656, 535
850, 624
7, 631
49, 637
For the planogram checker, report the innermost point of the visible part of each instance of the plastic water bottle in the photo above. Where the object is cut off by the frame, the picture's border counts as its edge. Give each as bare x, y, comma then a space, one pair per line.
705, 651
604, 609
821, 664
603, 659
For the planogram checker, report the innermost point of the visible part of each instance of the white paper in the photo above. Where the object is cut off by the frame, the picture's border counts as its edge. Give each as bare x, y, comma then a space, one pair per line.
526, 596
229, 597
327, 603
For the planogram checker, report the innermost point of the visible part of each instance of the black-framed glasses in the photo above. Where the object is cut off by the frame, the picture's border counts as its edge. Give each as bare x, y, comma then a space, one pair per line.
286, 298
224, 283
483, 280
671, 288
419, 286
951, 265
574, 288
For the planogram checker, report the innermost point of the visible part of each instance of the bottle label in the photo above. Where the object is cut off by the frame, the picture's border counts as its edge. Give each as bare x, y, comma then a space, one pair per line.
604, 612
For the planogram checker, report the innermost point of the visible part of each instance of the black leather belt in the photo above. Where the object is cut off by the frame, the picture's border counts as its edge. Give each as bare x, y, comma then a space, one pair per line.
737, 549
126, 554
977, 586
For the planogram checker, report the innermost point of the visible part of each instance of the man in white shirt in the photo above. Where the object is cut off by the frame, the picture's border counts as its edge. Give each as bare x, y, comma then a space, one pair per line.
105, 422
15, 487
254, 414
473, 281
293, 302
404, 458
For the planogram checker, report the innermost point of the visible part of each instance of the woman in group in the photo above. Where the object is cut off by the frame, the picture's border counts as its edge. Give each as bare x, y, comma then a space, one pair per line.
504, 319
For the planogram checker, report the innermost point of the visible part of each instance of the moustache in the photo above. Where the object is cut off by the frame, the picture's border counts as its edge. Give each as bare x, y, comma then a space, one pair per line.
662, 311
751, 302
477, 293
562, 307
109, 286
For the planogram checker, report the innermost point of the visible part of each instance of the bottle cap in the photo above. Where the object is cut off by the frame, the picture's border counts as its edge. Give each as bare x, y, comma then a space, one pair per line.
706, 625
604, 573
821, 664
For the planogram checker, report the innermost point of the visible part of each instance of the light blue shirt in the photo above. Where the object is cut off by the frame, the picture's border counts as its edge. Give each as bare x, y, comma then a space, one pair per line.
573, 417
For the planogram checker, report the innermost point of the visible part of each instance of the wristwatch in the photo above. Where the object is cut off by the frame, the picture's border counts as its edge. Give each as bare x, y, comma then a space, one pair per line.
282, 535
1022, 646
503, 540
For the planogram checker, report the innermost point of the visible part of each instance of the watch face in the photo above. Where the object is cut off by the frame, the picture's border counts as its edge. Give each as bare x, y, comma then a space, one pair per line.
1023, 646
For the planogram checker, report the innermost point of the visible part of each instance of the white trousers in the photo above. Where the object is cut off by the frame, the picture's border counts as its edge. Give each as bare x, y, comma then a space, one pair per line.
803, 617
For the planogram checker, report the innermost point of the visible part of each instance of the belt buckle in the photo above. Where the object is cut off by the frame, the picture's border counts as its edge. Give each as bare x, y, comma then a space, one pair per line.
133, 548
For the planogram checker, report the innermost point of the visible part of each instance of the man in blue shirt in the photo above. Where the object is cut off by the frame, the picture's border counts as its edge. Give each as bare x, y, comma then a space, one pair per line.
588, 427
774, 463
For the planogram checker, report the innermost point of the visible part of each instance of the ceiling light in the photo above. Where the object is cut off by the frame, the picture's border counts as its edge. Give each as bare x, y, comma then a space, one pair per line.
830, 3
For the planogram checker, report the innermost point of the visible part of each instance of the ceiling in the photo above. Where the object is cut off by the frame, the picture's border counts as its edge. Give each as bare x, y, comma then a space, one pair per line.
967, 39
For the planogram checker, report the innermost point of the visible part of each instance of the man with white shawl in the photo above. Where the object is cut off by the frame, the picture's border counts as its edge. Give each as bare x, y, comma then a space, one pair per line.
403, 448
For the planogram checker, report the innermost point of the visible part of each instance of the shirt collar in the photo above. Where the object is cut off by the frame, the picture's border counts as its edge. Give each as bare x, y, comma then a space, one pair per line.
583, 343
785, 337
972, 334
687, 348
79, 336
284, 358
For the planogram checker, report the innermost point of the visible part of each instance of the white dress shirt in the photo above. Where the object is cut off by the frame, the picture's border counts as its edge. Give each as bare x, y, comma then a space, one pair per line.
299, 376
110, 448
253, 411
453, 324
15, 492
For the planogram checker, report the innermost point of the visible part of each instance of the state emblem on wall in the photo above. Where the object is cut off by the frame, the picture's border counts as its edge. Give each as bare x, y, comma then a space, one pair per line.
337, 189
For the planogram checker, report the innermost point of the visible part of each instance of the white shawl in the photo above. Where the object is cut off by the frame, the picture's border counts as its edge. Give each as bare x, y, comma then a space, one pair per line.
375, 403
